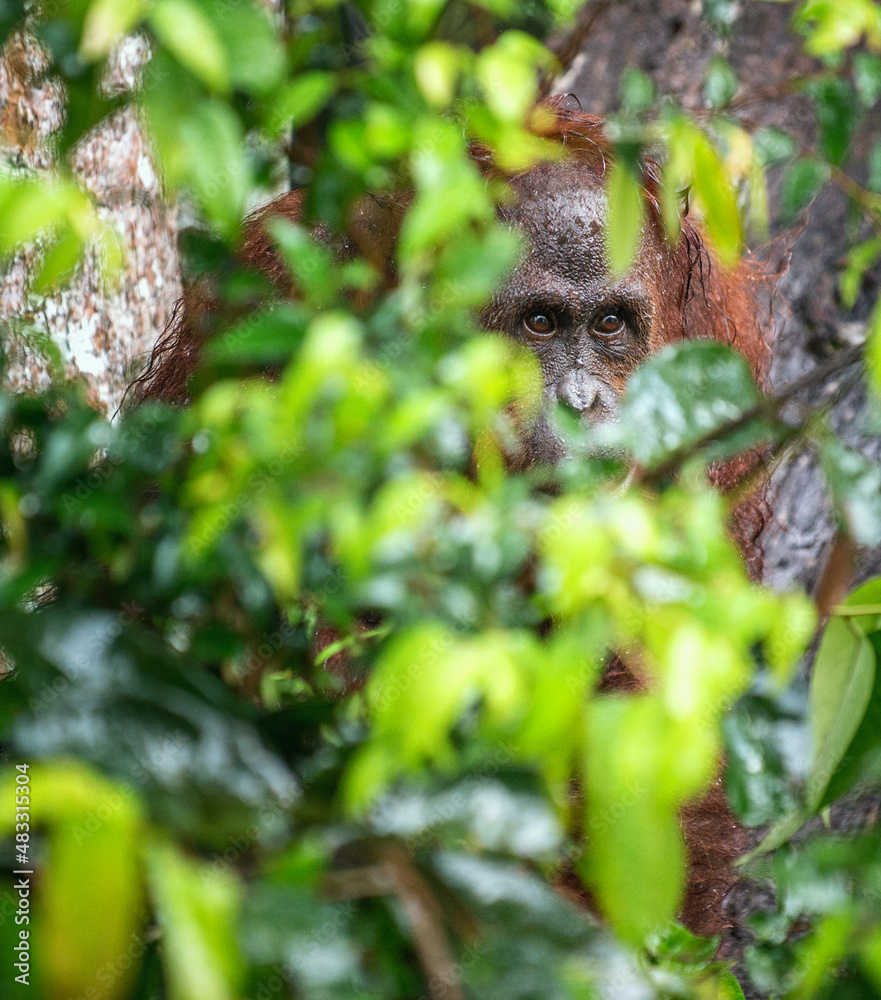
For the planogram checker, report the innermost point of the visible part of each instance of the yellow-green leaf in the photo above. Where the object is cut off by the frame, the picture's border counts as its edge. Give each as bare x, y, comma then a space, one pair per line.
626, 210
196, 906
185, 30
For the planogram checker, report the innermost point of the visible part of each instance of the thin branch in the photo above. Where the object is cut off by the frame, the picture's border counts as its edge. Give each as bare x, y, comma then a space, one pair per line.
426, 922
357, 883
768, 408
395, 875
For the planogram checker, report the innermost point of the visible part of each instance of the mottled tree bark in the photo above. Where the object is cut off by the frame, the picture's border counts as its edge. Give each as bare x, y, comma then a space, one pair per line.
101, 329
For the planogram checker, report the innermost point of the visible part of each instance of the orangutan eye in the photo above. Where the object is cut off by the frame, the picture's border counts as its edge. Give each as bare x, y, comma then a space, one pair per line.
540, 324
609, 325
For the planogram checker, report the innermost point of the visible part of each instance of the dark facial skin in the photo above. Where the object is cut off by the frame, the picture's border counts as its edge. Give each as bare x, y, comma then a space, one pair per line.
588, 329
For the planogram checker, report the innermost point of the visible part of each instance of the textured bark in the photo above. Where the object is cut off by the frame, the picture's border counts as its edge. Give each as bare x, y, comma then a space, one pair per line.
101, 329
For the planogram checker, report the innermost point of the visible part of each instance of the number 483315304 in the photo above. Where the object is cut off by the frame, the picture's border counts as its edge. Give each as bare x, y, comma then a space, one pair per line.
22, 813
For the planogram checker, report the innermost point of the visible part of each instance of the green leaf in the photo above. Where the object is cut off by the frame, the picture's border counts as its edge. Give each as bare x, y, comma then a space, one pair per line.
106, 22
867, 77
12, 12
216, 162
801, 184
506, 72
680, 396
774, 146
436, 67
266, 337
837, 115
769, 753
729, 987
873, 181
873, 350
841, 683
868, 595
88, 909
253, 48
718, 201
196, 906
830, 26
626, 211
863, 756
523, 823
118, 698
841, 686
855, 484
300, 100
637, 91
638, 880
189, 33
861, 259
721, 84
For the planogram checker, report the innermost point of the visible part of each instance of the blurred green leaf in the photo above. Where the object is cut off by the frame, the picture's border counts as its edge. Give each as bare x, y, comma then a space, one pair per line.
768, 745
626, 212
801, 184
855, 484
718, 201
92, 871
860, 260
253, 49
12, 12
638, 880
774, 146
197, 906
867, 77
188, 31
693, 162
301, 100
437, 67
637, 90
101, 693
721, 84
106, 23
873, 350
832, 25
838, 116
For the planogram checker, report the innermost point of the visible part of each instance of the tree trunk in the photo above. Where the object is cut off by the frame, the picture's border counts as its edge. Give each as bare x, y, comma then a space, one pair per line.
101, 330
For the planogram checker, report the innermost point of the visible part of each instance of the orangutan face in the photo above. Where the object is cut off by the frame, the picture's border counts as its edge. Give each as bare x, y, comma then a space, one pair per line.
588, 329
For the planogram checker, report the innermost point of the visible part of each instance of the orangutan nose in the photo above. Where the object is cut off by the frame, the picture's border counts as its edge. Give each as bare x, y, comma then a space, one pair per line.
586, 394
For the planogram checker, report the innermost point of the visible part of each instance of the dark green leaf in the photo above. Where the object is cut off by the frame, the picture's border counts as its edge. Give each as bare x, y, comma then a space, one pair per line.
101, 690
768, 747
841, 687
801, 184
682, 395
838, 115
